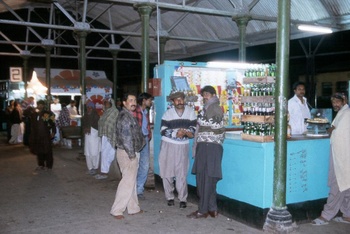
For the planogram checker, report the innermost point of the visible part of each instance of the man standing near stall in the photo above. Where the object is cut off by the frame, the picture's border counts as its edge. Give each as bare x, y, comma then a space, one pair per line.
298, 109
178, 125
144, 101
129, 143
339, 165
209, 137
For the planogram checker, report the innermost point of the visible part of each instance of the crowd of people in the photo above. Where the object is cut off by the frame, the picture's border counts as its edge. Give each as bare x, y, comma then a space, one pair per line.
123, 133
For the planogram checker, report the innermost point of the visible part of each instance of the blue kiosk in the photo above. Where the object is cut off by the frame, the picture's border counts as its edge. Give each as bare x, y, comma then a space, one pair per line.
246, 190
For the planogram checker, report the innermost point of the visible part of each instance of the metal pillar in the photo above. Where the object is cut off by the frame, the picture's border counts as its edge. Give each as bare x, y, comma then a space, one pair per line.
145, 11
82, 66
114, 53
25, 54
242, 23
278, 219
48, 74
162, 42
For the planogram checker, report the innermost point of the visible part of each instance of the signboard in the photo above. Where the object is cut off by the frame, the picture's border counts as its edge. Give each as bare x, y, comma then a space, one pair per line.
16, 74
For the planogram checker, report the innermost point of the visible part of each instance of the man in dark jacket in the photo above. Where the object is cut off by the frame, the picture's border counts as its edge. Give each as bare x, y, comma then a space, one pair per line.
210, 134
130, 141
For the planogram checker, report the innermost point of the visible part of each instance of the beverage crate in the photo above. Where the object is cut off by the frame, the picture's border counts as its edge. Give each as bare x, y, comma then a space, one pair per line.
256, 138
258, 118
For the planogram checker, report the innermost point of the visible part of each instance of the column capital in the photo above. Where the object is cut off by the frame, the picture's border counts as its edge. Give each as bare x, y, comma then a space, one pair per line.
242, 20
144, 8
25, 54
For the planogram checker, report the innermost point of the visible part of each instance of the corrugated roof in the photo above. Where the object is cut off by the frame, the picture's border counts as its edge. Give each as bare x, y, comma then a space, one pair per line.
192, 27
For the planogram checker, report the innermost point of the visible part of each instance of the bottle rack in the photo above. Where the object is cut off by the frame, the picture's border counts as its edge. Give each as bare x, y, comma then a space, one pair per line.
258, 111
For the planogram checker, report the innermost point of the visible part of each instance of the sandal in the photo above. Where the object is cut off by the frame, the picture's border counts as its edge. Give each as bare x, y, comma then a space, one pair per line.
341, 220
319, 222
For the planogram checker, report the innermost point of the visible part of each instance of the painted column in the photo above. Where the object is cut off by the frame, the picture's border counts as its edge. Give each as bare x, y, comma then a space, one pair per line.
114, 53
162, 42
242, 23
145, 11
25, 54
82, 66
278, 219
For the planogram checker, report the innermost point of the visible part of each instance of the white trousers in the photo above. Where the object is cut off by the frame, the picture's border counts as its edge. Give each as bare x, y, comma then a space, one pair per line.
107, 154
92, 149
126, 196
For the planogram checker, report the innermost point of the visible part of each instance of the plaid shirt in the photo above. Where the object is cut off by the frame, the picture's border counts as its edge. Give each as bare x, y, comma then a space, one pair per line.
138, 115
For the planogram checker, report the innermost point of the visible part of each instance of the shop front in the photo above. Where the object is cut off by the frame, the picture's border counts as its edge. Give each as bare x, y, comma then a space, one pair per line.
246, 190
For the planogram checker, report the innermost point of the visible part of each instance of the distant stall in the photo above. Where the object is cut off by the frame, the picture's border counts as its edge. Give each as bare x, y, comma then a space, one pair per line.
66, 82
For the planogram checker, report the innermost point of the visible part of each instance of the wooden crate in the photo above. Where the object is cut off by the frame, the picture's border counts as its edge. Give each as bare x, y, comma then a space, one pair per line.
258, 118
259, 79
248, 137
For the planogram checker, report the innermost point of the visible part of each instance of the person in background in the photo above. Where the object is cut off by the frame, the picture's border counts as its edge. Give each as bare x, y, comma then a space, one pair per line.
177, 127
8, 112
28, 109
339, 165
210, 134
43, 129
118, 104
64, 121
16, 120
107, 131
144, 101
130, 141
56, 108
298, 109
92, 142
72, 108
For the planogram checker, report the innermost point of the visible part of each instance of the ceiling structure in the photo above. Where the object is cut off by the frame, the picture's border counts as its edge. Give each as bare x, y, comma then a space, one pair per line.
190, 27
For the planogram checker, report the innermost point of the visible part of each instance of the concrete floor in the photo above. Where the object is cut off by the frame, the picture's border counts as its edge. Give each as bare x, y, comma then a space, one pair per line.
67, 200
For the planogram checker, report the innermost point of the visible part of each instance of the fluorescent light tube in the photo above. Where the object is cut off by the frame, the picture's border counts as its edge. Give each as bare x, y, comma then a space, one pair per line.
311, 28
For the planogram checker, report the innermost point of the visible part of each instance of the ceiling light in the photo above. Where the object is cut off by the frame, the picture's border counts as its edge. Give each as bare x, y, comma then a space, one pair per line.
317, 29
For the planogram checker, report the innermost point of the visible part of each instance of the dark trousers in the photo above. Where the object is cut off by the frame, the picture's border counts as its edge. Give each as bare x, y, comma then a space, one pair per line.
206, 190
45, 160
207, 167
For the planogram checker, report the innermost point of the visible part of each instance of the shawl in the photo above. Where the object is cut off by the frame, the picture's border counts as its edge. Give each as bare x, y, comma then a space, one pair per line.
64, 118
107, 124
340, 139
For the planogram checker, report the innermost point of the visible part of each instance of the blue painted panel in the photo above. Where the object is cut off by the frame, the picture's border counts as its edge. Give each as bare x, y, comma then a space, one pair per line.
307, 170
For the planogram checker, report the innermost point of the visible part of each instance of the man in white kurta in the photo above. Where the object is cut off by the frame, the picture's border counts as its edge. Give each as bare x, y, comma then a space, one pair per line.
339, 166
298, 109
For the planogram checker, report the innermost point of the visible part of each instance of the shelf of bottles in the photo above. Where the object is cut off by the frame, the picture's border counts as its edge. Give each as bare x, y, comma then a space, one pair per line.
258, 104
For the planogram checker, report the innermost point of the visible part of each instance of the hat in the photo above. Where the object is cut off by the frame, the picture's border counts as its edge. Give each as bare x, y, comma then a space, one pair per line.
209, 89
175, 95
90, 104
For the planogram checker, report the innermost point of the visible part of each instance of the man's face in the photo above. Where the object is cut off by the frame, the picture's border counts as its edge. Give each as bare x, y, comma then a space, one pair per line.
300, 91
148, 102
107, 104
130, 103
40, 107
179, 103
337, 104
206, 96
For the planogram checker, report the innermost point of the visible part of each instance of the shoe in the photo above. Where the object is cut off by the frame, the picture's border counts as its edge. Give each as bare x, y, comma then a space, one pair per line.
213, 214
183, 205
171, 202
319, 222
197, 215
101, 176
91, 172
119, 217
341, 220
140, 212
140, 196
